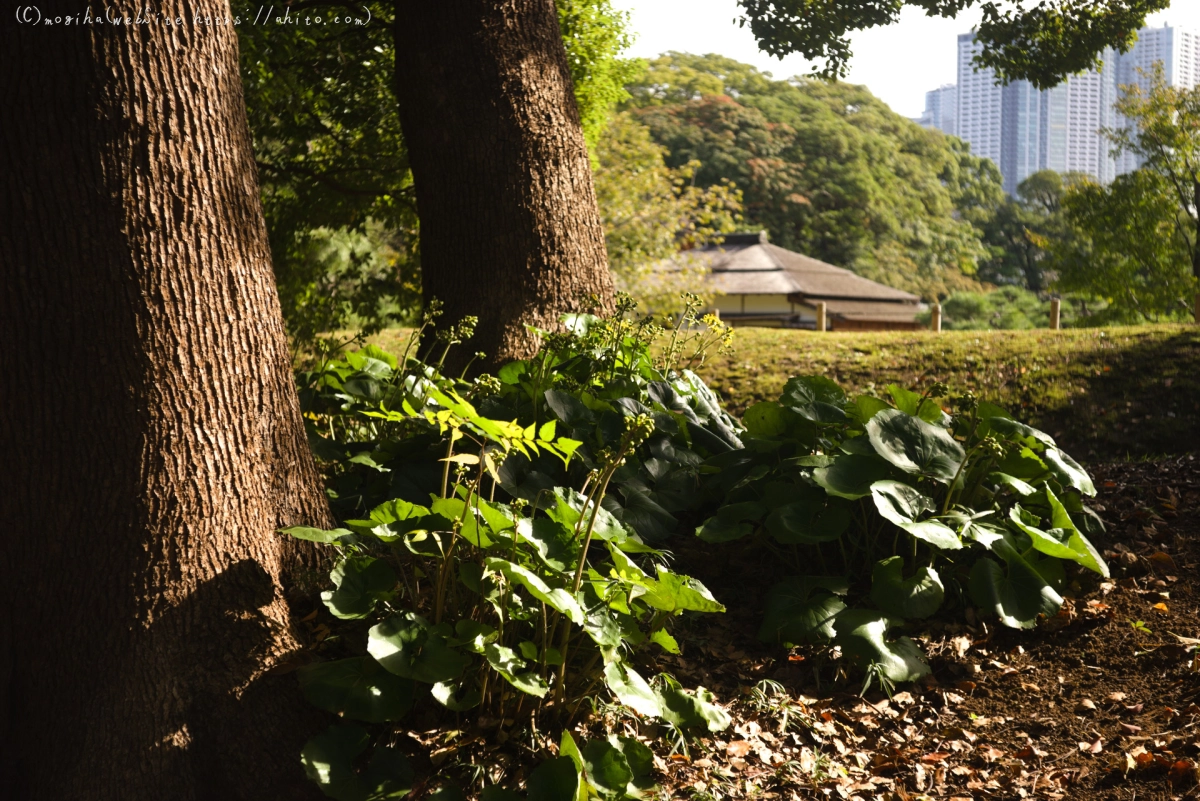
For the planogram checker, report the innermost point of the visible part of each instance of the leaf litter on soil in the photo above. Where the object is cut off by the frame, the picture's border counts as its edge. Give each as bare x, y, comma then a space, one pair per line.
1087, 706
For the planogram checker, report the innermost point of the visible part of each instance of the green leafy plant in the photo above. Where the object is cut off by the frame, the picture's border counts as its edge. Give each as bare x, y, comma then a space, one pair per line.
481, 548
906, 497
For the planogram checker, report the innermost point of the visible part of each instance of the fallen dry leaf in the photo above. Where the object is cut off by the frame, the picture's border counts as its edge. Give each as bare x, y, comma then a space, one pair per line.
738, 748
1085, 706
1029, 752
1117, 696
1130, 728
1160, 606
1182, 772
1162, 560
1094, 747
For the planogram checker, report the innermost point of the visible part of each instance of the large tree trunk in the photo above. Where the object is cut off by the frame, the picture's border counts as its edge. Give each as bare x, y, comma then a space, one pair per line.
150, 437
509, 226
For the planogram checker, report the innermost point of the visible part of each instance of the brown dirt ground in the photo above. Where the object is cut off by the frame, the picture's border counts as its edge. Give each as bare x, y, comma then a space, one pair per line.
1088, 706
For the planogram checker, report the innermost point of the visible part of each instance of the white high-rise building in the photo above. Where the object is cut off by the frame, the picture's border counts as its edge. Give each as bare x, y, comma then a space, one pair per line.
941, 109
1020, 133
1025, 130
979, 102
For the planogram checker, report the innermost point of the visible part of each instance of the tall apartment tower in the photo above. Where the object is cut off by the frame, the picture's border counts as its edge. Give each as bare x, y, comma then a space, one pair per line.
941, 109
1021, 133
980, 102
1025, 130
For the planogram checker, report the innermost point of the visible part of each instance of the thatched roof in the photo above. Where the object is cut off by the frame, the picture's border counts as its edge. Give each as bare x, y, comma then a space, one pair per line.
747, 264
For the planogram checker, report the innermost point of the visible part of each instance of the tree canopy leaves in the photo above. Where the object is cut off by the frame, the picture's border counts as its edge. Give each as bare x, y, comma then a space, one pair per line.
1041, 41
826, 168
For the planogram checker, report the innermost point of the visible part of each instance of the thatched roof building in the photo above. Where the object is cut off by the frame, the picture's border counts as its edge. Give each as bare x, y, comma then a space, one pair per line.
766, 285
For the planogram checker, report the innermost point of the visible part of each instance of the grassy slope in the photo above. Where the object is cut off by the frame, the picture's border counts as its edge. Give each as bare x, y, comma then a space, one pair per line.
1104, 393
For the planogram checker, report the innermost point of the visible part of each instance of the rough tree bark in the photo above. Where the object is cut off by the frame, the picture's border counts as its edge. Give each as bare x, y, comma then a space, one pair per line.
510, 231
150, 437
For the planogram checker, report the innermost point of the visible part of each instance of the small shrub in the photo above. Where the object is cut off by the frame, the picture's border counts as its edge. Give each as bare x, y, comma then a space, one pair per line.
908, 497
483, 544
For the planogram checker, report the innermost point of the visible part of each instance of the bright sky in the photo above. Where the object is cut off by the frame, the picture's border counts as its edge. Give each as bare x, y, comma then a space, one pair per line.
899, 63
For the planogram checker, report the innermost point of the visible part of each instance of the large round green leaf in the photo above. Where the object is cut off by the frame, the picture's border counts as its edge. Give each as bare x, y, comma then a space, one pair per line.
408, 646
765, 419
1068, 471
456, 698
809, 521
1064, 540
851, 475
556, 779
553, 542
1017, 596
631, 689
915, 446
918, 596
329, 758
801, 610
902, 504
361, 583
1017, 432
317, 534
606, 770
939, 535
862, 634
865, 407
898, 502
511, 667
815, 398
358, 688
687, 710
714, 529
673, 593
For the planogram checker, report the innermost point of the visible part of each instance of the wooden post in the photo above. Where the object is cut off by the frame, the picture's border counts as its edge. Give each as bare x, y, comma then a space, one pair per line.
1055, 314
935, 318
820, 315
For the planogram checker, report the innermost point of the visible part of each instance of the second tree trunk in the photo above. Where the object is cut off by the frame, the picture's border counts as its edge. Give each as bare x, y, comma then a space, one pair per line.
509, 226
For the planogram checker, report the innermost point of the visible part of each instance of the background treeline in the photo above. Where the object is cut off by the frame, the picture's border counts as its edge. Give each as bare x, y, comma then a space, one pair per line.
685, 147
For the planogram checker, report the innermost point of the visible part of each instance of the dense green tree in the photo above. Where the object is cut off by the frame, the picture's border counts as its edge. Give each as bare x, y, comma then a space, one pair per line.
1165, 135
826, 168
1038, 40
651, 212
1126, 245
1020, 229
1003, 308
595, 35
331, 155
332, 164
1134, 242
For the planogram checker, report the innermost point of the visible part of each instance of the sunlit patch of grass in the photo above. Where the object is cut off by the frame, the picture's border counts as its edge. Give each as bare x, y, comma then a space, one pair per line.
1105, 393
